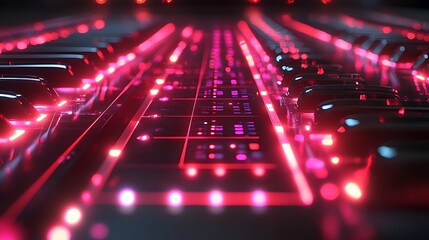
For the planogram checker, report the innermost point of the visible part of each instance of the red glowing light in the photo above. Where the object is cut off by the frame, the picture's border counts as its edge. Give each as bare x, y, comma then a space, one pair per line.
187, 31
9, 230
96, 179
62, 103
329, 191
328, 141
216, 198
254, 1
86, 86
259, 172
130, 56
387, 30
167, 1
72, 216
335, 160
343, 44
99, 24
82, 28
111, 70
411, 35
326, 1
115, 152
16, 134
388, 63
307, 128
175, 198
126, 198
220, 171
21, 45
41, 117
353, 190
420, 77
259, 198
191, 172
143, 138
59, 233
99, 77
140, 1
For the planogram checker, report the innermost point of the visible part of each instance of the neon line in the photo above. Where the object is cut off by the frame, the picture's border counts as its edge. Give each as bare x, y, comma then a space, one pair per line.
203, 199
206, 137
298, 176
206, 166
200, 79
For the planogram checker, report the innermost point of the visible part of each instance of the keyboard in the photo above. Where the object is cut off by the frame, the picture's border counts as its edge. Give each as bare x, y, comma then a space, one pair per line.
147, 122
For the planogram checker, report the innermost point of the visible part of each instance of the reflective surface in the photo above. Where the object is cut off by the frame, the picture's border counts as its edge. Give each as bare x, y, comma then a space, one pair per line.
179, 126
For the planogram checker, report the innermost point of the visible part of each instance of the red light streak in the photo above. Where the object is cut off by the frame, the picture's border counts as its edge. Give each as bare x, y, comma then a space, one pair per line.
62, 103
177, 52
421, 77
41, 117
306, 29
343, 44
101, 2
388, 63
157, 37
140, 1
16, 134
298, 176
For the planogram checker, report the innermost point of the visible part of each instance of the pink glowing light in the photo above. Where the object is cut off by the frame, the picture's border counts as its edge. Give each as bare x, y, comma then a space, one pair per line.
216, 198
259, 198
73, 216
16, 134
220, 171
175, 198
329, 191
191, 172
343, 44
99, 231
126, 198
96, 179
99, 24
259, 172
83, 28
59, 233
